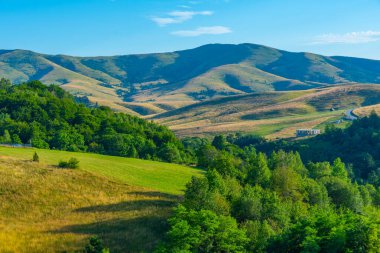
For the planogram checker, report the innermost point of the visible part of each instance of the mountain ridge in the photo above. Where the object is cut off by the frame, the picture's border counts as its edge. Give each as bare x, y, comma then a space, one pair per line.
147, 84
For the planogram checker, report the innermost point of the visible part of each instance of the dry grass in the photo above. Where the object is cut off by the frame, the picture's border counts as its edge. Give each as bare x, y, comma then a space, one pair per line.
271, 114
45, 209
367, 110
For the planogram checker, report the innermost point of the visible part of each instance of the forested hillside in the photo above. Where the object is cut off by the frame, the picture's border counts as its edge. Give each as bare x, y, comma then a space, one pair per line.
319, 195
280, 202
49, 117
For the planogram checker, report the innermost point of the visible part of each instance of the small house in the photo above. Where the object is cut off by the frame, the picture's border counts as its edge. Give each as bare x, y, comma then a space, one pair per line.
307, 132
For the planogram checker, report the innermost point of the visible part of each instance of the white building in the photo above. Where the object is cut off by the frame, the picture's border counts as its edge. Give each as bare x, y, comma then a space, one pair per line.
307, 132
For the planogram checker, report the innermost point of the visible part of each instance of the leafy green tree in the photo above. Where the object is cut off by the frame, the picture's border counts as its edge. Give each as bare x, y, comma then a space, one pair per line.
319, 170
170, 153
327, 231
203, 231
6, 138
287, 183
207, 154
315, 193
16, 139
219, 142
259, 172
339, 169
344, 194
207, 193
259, 234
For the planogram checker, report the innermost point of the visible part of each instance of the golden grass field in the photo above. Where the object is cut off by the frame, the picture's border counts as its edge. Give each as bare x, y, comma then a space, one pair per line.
47, 209
270, 114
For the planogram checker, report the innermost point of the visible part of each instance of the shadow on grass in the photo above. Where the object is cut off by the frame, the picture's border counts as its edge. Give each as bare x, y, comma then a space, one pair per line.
134, 234
155, 194
139, 234
136, 205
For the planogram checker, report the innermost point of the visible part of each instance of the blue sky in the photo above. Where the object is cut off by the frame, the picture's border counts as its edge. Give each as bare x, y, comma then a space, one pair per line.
110, 27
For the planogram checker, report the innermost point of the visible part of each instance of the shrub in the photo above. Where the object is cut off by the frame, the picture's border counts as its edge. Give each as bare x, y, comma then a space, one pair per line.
36, 158
73, 163
95, 245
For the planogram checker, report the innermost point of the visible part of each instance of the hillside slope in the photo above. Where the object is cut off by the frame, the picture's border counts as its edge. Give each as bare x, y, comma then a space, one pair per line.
123, 201
272, 114
155, 83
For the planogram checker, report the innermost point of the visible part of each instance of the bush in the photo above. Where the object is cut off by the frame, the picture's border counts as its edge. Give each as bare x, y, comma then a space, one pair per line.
95, 245
36, 158
73, 163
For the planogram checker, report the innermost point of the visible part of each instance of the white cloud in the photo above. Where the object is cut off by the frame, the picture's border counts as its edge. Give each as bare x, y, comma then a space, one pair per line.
176, 17
348, 38
205, 30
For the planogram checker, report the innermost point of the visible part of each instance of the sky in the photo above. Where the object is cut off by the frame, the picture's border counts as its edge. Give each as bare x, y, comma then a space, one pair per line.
116, 27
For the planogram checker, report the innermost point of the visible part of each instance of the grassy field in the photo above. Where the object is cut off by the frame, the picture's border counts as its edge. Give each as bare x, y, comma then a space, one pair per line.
270, 114
123, 201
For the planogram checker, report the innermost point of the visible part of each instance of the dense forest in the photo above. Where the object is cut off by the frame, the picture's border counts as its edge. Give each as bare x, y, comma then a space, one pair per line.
252, 202
48, 117
358, 146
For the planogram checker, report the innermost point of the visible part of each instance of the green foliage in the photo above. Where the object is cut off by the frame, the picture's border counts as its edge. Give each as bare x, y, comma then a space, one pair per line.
281, 204
327, 231
72, 163
339, 169
36, 158
95, 245
49, 117
203, 231
258, 172
357, 145
6, 138
219, 142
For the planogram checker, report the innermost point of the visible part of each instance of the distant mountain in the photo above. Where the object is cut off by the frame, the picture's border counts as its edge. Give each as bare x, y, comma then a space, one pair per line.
156, 83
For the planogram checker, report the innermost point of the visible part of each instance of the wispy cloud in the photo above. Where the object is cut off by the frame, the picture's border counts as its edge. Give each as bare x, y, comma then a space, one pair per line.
176, 17
205, 30
348, 38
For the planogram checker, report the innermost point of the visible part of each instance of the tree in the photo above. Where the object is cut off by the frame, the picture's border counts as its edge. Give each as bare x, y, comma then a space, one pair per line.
170, 153
319, 170
219, 142
203, 231
16, 139
328, 231
206, 155
259, 234
6, 138
344, 194
259, 172
339, 169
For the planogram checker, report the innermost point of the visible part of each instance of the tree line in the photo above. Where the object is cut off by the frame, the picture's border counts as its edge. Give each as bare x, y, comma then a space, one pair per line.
49, 117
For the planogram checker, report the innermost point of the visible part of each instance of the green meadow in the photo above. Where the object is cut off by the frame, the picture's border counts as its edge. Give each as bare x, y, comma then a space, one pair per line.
123, 201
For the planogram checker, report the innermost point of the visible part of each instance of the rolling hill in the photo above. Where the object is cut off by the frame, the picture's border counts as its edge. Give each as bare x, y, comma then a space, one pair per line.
123, 201
156, 83
271, 114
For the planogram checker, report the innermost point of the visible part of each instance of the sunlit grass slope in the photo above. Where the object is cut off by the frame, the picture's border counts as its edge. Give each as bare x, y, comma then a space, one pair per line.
123, 201
164, 177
